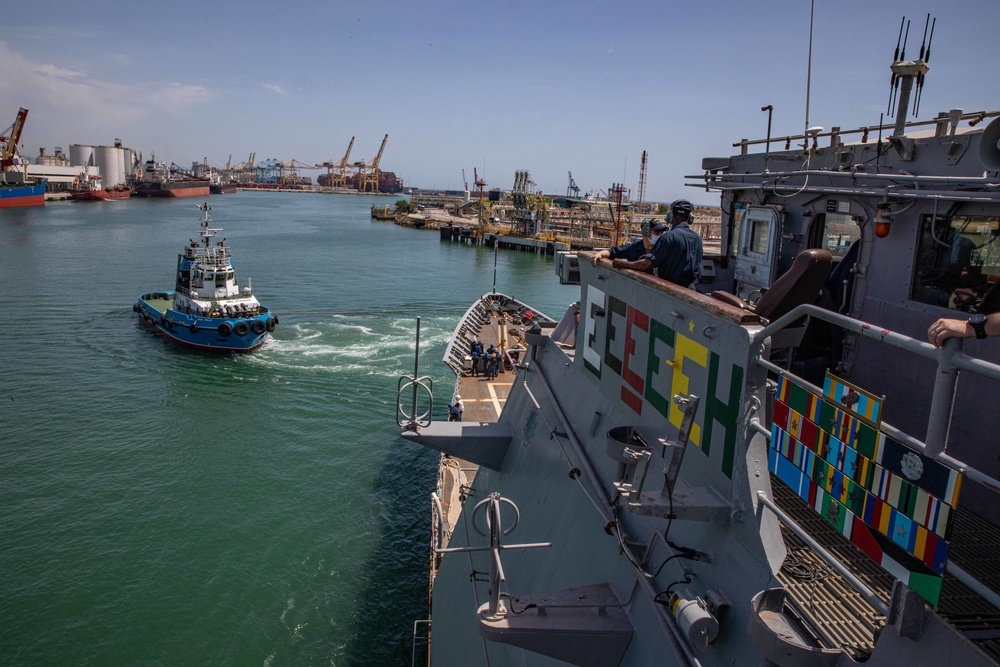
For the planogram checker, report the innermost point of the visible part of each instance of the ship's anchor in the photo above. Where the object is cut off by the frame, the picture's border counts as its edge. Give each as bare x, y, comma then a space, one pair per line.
412, 421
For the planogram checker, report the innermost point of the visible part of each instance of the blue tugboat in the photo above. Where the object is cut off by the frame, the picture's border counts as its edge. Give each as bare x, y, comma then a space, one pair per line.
207, 309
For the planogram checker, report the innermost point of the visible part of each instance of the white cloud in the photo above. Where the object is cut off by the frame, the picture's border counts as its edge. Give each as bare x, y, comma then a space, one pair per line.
274, 88
85, 100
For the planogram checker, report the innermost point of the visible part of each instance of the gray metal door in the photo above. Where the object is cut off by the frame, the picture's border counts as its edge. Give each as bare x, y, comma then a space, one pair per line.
760, 235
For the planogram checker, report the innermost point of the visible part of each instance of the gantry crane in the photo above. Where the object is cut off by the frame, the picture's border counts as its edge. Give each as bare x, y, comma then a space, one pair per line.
336, 170
368, 171
288, 171
573, 190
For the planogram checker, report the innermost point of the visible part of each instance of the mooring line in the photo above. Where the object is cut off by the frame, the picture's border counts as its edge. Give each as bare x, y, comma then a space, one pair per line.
366, 312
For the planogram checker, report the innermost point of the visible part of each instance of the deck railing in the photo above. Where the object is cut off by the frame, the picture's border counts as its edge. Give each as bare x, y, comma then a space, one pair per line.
949, 360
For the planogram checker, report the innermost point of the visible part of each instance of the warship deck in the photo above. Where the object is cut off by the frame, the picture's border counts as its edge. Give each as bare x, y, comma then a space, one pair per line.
837, 615
499, 325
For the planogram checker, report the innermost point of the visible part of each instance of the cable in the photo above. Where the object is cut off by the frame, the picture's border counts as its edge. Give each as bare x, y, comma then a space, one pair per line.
685, 580
798, 569
669, 558
363, 312
666, 603
528, 606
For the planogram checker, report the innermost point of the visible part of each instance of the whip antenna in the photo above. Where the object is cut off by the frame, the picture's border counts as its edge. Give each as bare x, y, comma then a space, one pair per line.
895, 57
926, 57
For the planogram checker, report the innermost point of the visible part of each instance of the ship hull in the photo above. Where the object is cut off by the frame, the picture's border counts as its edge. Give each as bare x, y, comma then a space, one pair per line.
209, 334
22, 196
100, 195
222, 189
187, 188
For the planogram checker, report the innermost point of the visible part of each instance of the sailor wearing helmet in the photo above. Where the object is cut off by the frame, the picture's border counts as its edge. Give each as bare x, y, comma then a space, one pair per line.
677, 254
651, 230
455, 409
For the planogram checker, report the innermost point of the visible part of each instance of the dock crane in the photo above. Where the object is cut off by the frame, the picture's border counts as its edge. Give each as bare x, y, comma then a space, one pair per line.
288, 171
337, 170
368, 171
9, 140
573, 190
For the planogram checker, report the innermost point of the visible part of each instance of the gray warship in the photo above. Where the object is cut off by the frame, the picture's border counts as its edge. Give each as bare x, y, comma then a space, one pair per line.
774, 468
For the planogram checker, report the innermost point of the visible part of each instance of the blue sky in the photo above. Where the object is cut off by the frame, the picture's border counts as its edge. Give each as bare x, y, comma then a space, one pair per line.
551, 87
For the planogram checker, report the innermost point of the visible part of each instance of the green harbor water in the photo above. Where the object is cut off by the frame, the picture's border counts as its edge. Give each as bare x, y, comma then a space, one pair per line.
160, 506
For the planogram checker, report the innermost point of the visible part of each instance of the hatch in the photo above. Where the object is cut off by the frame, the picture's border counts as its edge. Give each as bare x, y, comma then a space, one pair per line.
756, 258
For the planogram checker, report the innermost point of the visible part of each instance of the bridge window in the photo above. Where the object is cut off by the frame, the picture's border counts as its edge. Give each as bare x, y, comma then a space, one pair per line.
835, 232
958, 263
760, 235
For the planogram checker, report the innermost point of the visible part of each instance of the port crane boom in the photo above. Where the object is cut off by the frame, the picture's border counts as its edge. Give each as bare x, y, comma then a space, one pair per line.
10, 138
337, 170
368, 171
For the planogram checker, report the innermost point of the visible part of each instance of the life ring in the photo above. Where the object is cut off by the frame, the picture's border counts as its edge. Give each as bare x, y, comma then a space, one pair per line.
241, 328
225, 329
270, 324
193, 328
258, 327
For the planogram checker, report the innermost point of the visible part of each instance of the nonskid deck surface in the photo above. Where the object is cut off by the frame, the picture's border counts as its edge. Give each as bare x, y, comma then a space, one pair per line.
162, 305
483, 399
841, 618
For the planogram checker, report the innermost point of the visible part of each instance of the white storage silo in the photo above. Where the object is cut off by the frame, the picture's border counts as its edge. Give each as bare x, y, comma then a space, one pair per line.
129, 164
107, 161
81, 156
120, 153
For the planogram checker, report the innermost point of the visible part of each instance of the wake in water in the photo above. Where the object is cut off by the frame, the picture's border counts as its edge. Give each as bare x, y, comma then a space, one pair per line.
371, 345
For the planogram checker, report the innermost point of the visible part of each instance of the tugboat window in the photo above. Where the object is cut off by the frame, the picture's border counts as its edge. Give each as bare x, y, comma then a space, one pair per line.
958, 263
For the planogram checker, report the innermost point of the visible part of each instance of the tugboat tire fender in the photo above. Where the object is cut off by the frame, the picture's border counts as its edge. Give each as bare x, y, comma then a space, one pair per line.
258, 327
241, 328
225, 329
271, 321
193, 328
135, 308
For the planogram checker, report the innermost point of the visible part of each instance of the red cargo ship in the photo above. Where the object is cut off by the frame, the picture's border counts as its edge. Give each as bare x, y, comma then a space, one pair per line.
157, 182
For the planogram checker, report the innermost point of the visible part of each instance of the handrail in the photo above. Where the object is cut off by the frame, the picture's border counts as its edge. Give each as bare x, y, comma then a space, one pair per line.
866, 592
413, 640
868, 129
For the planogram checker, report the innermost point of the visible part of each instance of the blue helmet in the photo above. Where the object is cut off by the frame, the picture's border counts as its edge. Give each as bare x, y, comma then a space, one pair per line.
682, 206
